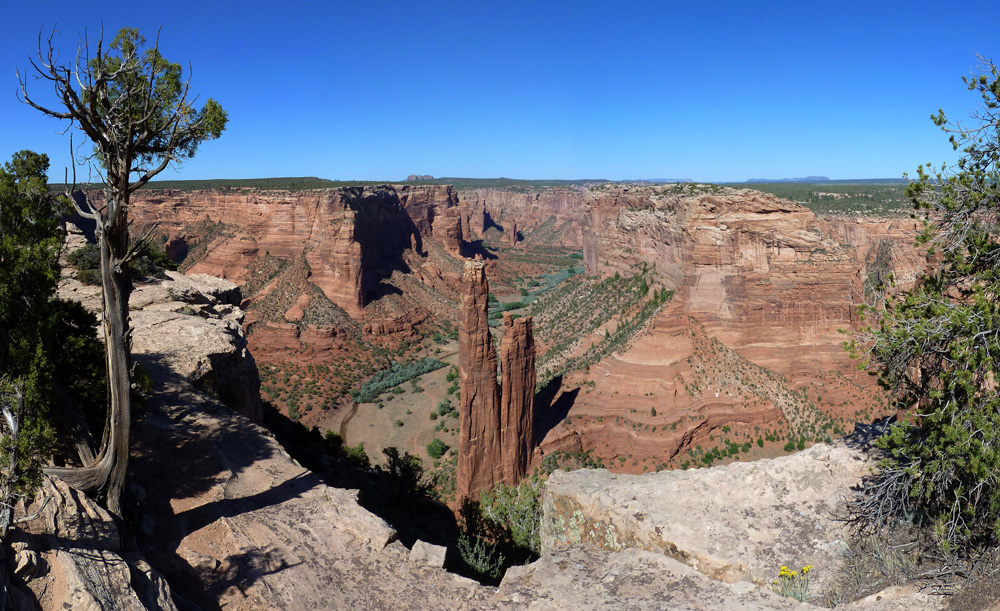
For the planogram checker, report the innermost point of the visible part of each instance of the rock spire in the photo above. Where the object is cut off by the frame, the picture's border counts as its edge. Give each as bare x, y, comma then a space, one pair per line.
517, 398
496, 432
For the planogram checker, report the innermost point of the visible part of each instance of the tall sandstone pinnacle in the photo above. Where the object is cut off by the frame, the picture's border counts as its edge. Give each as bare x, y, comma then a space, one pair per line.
517, 399
479, 464
495, 427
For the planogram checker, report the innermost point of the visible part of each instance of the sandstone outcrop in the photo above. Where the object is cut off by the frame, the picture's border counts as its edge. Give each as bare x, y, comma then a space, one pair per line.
71, 557
736, 524
742, 521
195, 322
517, 396
480, 448
496, 422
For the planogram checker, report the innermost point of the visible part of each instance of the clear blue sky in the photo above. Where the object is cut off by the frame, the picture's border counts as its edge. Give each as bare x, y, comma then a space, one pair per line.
372, 90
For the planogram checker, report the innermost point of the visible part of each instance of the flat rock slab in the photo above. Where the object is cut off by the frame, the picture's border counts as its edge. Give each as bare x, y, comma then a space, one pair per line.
584, 578
739, 522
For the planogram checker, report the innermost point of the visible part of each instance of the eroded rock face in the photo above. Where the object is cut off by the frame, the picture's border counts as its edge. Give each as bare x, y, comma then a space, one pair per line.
76, 557
762, 274
182, 324
192, 327
762, 291
351, 238
517, 400
479, 442
511, 211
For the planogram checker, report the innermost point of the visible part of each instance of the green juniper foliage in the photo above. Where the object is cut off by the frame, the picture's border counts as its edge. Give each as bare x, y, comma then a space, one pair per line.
48, 348
938, 348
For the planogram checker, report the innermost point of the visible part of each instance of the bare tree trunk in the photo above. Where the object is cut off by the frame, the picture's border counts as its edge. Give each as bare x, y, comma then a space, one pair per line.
107, 473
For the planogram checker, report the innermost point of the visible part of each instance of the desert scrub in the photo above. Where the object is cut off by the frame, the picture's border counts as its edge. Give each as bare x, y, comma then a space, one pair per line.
793, 584
395, 375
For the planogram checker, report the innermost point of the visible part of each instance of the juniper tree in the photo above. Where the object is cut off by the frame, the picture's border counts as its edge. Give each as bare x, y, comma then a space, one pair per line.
937, 347
135, 108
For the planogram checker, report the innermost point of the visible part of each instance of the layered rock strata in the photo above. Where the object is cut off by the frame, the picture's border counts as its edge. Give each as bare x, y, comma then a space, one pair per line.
351, 238
511, 211
760, 283
496, 435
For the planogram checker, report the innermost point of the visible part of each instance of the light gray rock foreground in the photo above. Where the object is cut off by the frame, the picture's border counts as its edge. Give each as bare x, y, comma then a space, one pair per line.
77, 560
238, 524
742, 521
584, 578
191, 325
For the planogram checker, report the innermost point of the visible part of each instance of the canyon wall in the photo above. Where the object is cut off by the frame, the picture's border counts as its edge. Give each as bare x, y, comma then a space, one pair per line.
512, 211
351, 238
762, 274
752, 339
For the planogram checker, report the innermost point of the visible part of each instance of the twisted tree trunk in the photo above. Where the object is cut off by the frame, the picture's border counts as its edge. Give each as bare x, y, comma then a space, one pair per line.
107, 474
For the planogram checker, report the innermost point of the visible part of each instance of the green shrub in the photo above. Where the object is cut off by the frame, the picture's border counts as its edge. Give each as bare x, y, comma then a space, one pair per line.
357, 456
436, 448
516, 509
482, 558
333, 442
150, 262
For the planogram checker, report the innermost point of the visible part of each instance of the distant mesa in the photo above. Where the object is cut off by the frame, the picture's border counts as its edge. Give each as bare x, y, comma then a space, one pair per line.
804, 179
413, 177
660, 181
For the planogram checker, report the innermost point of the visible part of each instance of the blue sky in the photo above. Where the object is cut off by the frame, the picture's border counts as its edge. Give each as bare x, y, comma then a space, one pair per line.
373, 90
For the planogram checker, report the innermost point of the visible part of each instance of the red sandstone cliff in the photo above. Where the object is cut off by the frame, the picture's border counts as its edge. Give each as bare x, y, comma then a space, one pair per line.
351, 238
762, 290
512, 211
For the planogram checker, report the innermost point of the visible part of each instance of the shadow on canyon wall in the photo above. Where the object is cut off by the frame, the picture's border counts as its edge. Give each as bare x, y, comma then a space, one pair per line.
551, 407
